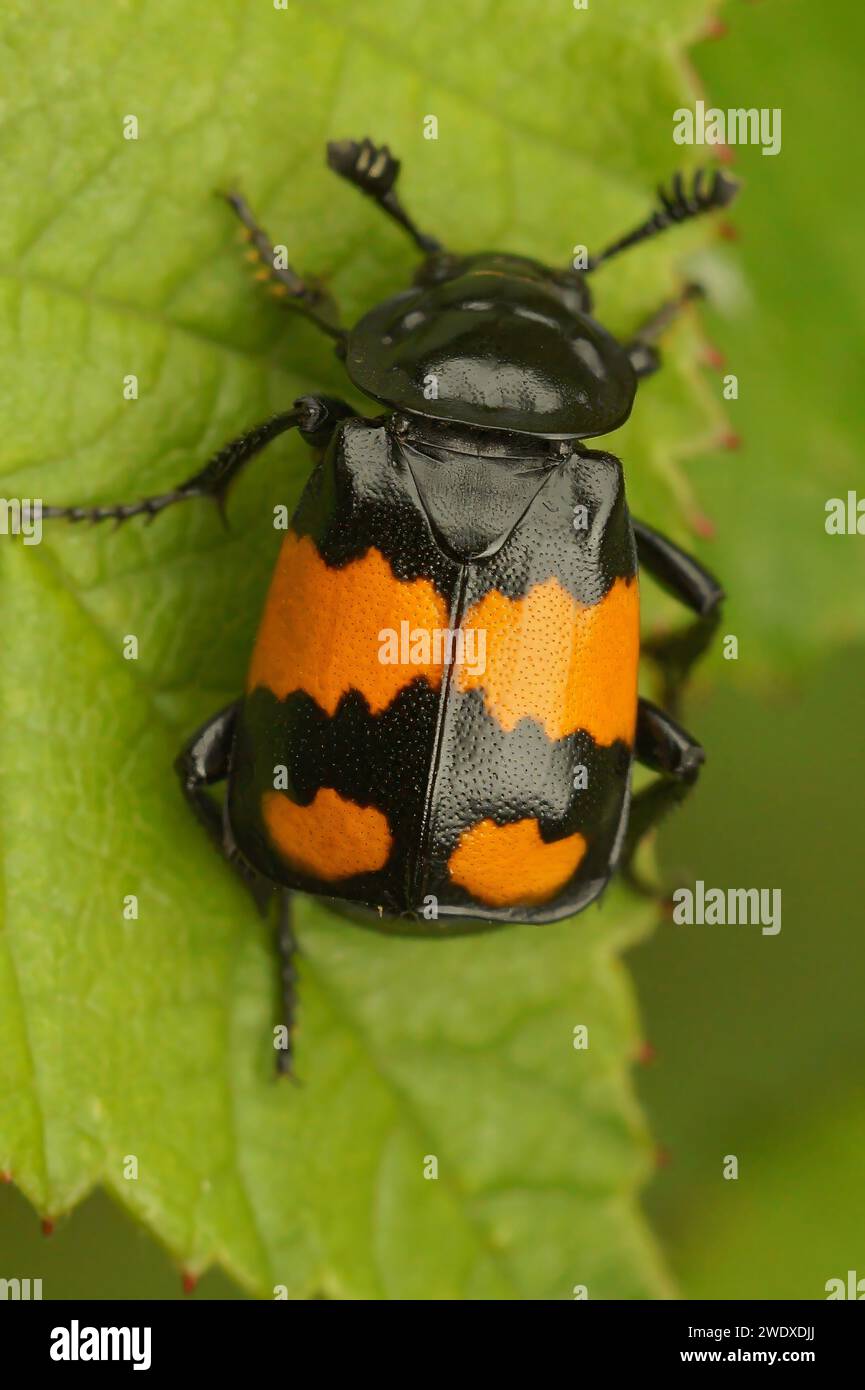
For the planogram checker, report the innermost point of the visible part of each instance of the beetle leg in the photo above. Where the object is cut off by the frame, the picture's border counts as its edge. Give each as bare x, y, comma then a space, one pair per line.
677, 205
686, 579
665, 747
645, 358
374, 170
284, 282
316, 417
678, 572
203, 762
288, 950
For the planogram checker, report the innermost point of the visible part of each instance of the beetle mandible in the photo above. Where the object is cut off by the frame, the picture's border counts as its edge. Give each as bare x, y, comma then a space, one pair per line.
441, 712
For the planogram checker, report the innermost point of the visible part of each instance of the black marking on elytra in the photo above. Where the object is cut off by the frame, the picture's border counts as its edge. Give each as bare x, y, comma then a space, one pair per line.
383, 760
433, 773
365, 493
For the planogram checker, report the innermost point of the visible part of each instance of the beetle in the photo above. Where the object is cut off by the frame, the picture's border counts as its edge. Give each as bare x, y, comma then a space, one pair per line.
441, 713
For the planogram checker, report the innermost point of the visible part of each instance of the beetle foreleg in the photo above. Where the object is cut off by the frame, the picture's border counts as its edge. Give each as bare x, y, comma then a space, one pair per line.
306, 295
645, 358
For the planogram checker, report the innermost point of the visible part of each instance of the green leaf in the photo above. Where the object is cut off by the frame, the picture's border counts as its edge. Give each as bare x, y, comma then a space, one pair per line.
152, 1038
778, 1023
790, 325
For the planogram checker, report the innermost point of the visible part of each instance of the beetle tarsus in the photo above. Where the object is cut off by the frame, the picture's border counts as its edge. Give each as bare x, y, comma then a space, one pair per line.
305, 294
288, 951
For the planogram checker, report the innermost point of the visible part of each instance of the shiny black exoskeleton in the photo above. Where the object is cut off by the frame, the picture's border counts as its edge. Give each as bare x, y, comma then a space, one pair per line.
499, 792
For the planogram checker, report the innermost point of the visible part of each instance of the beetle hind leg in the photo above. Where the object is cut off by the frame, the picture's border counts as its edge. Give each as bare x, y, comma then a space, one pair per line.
205, 761
288, 950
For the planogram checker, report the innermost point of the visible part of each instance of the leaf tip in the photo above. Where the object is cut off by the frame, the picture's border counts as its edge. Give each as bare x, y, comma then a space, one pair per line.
703, 525
730, 440
715, 28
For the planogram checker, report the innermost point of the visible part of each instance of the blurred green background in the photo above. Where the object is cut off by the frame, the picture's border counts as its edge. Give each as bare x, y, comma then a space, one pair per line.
759, 1041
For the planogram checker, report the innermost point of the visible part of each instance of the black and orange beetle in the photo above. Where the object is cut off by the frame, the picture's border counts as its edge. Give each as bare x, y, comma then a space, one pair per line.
441, 711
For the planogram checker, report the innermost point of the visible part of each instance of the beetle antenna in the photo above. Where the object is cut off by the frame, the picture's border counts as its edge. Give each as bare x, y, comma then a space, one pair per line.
677, 205
374, 170
213, 480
